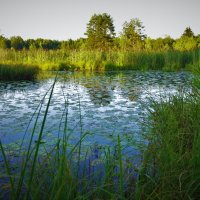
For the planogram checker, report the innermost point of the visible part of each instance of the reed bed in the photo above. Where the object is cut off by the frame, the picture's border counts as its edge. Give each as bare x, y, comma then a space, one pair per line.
18, 72
96, 60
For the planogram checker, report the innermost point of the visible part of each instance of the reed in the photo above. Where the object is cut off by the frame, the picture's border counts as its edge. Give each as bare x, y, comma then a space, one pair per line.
56, 174
18, 72
171, 162
100, 61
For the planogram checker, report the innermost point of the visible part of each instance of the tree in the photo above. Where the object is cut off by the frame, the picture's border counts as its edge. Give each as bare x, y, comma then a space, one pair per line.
168, 41
17, 42
159, 44
132, 35
188, 32
100, 32
185, 43
73, 45
198, 40
4, 43
31, 44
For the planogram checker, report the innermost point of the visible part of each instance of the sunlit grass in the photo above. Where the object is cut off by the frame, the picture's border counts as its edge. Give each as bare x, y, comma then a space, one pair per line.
100, 61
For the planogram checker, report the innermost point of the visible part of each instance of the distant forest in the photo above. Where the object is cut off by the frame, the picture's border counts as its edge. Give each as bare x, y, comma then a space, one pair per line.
100, 35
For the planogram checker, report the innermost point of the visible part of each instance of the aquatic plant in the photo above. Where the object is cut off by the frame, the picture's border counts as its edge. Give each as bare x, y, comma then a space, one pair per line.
62, 170
18, 72
100, 61
171, 162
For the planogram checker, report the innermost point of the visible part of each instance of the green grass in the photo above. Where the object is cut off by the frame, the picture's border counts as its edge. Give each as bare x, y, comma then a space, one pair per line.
18, 72
56, 174
100, 61
171, 165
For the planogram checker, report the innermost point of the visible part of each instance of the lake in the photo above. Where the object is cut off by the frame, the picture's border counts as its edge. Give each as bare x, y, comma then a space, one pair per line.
103, 105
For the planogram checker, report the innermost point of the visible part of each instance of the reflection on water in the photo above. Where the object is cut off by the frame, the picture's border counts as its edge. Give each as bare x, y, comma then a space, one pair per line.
111, 104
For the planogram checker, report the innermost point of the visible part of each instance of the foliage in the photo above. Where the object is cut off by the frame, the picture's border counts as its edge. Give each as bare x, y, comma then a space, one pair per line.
171, 162
159, 44
185, 43
198, 41
170, 168
188, 32
4, 43
100, 32
17, 43
73, 45
132, 35
62, 171
97, 60
18, 72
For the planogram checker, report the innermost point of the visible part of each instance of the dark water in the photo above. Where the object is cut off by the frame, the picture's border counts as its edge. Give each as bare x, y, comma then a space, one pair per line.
103, 105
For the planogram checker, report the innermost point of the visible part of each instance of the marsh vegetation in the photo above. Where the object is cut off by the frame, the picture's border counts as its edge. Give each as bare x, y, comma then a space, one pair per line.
98, 129
68, 153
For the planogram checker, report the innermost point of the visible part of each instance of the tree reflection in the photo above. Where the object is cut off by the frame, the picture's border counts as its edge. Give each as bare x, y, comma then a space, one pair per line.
128, 84
100, 91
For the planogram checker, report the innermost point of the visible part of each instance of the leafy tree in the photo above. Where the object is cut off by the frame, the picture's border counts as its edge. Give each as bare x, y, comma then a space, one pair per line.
71, 45
4, 42
188, 32
168, 42
17, 43
68, 45
80, 43
50, 44
185, 43
148, 44
116, 44
132, 36
159, 44
198, 40
100, 32
32, 44
43, 44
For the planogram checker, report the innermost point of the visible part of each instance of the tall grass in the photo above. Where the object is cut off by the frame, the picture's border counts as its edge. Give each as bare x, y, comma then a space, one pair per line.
171, 166
96, 60
57, 174
18, 72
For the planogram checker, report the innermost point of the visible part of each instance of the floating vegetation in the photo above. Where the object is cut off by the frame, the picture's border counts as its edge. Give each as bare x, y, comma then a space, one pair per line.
59, 158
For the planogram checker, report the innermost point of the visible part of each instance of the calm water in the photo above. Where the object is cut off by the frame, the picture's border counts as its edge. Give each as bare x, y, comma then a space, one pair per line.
109, 104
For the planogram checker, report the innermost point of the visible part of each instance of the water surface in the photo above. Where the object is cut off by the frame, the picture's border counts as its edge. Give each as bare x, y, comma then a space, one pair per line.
103, 105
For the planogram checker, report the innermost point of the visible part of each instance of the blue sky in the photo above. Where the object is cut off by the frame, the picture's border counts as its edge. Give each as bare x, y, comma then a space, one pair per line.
64, 19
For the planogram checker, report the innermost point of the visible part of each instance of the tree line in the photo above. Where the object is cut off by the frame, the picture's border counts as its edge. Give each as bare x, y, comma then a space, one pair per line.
100, 35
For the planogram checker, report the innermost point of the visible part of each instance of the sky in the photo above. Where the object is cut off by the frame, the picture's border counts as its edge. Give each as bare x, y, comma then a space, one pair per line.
65, 19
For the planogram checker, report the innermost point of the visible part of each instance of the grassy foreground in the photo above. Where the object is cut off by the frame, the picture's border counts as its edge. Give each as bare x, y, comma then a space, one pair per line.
170, 166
